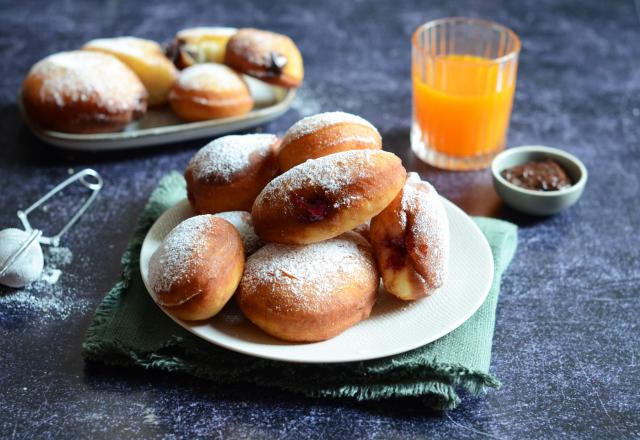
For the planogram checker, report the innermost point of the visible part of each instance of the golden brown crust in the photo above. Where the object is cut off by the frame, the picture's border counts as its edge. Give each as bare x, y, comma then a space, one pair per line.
209, 91
410, 238
196, 280
83, 92
268, 56
325, 197
334, 138
219, 180
312, 292
146, 59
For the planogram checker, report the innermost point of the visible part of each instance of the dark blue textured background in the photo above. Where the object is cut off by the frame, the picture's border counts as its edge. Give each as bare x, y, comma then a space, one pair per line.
567, 337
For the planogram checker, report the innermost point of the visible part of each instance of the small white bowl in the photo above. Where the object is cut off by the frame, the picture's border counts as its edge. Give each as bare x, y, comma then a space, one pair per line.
532, 201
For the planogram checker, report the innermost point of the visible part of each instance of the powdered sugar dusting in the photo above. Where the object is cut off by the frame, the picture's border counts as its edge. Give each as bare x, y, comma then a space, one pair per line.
304, 273
53, 296
174, 260
243, 223
223, 158
210, 76
81, 76
255, 44
424, 218
131, 46
333, 173
310, 124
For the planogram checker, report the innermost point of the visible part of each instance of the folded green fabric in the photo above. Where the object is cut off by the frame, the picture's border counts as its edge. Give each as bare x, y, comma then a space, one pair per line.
129, 329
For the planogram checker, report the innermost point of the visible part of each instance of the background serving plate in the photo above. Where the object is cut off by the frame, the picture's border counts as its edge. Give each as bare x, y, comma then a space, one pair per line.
161, 126
394, 326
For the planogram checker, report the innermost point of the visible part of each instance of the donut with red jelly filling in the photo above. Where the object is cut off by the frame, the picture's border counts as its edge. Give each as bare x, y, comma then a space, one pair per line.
322, 198
410, 238
83, 92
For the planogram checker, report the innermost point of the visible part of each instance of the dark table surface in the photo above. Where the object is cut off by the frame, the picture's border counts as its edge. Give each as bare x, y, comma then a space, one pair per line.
567, 342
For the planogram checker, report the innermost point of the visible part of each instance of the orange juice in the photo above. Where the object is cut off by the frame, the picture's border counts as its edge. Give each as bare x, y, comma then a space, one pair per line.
462, 103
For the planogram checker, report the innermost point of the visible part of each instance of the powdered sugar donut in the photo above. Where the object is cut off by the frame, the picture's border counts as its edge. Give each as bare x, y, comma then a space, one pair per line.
326, 133
268, 56
28, 267
410, 238
145, 58
209, 91
322, 198
243, 223
309, 292
83, 92
197, 267
228, 173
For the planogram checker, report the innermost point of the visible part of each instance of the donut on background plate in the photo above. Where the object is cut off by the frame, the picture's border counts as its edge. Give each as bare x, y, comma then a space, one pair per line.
268, 56
209, 91
83, 92
145, 58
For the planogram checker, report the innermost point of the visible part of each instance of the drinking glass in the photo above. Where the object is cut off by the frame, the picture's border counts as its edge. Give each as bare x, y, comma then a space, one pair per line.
464, 76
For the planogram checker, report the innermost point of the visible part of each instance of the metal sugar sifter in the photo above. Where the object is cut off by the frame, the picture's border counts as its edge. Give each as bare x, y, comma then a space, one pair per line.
21, 259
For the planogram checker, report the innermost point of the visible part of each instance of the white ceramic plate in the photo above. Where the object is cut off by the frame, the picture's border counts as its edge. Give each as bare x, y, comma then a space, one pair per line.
161, 126
393, 327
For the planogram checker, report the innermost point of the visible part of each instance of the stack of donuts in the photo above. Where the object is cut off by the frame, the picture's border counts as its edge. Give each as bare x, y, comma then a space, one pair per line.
110, 82
301, 229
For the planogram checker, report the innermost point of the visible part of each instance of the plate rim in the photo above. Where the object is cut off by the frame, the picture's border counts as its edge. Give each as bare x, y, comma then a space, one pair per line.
357, 357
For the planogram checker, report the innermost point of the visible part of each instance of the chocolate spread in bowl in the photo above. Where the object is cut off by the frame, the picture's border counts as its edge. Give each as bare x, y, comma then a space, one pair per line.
541, 175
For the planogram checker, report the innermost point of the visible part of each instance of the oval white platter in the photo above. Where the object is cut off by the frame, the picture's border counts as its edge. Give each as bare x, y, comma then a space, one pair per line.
393, 327
161, 126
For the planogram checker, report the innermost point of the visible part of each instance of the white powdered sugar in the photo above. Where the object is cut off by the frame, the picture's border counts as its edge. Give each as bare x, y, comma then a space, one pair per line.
129, 46
211, 76
424, 218
306, 275
53, 296
255, 45
220, 160
81, 76
313, 123
174, 261
243, 223
333, 173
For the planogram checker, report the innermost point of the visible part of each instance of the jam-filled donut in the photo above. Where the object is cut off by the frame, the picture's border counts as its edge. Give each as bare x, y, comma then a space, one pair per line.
229, 172
146, 59
308, 293
322, 198
197, 267
243, 223
411, 241
209, 91
326, 133
270, 57
83, 92
199, 45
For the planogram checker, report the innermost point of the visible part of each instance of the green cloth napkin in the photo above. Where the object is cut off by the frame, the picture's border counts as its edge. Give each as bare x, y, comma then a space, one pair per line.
129, 329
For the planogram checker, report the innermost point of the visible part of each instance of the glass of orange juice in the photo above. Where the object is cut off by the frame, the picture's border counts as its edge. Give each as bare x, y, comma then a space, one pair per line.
464, 75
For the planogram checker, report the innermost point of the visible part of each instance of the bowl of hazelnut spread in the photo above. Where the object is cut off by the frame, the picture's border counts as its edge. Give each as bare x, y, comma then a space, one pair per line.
538, 180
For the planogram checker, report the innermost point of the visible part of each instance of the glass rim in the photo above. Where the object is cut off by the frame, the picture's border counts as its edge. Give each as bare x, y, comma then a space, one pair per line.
476, 21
